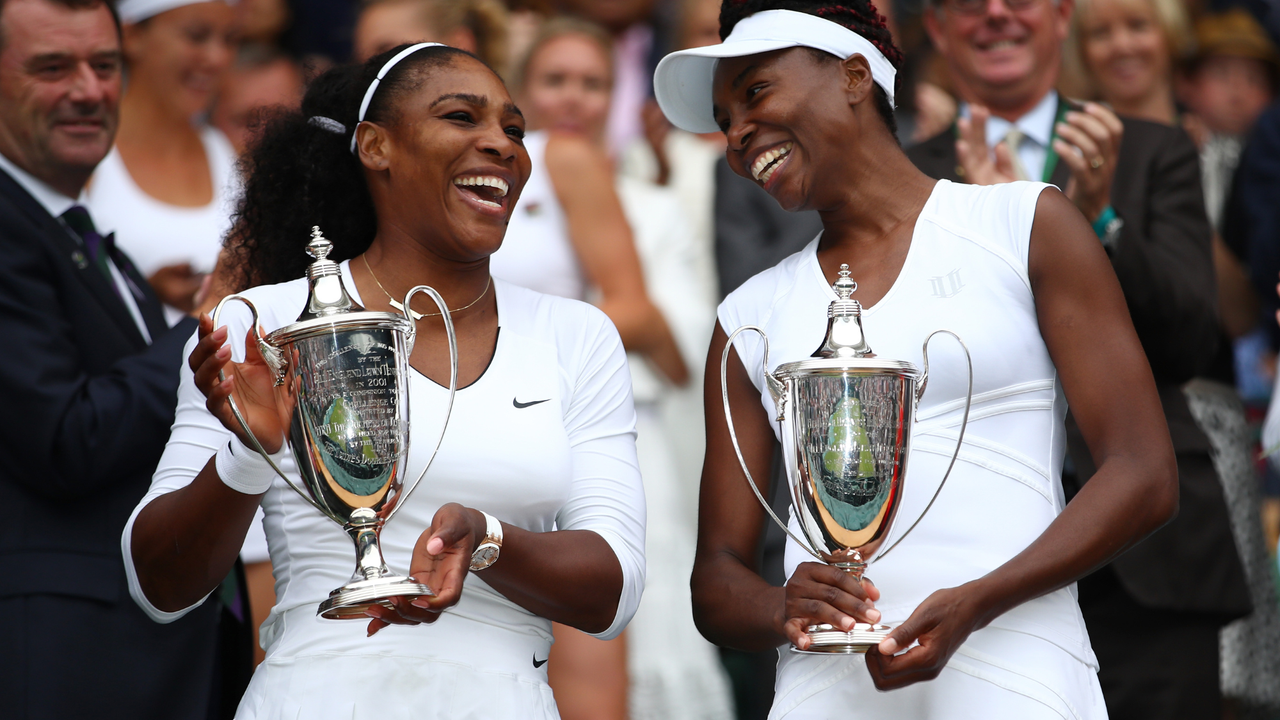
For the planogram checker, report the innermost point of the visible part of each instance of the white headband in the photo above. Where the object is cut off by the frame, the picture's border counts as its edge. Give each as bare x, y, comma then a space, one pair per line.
373, 86
134, 11
683, 81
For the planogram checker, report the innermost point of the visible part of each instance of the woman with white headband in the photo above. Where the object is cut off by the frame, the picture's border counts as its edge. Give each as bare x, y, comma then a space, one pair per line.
411, 165
981, 594
166, 189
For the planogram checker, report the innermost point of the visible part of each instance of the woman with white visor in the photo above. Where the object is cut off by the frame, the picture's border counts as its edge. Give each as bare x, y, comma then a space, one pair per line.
981, 594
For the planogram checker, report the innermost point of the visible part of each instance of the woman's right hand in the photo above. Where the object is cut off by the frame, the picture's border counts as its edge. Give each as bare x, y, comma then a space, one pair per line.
819, 593
252, 383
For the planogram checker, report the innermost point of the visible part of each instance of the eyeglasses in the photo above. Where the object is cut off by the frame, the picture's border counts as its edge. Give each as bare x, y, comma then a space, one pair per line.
979, 7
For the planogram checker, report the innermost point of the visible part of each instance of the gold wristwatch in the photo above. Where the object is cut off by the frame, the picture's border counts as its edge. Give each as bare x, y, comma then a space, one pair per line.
487, 553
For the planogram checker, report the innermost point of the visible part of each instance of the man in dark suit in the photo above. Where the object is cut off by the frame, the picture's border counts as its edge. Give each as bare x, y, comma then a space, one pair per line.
88, 378
1153, 614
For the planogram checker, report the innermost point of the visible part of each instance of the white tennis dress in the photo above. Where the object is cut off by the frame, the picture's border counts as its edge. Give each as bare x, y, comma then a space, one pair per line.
564, 457
156, 234
966, 271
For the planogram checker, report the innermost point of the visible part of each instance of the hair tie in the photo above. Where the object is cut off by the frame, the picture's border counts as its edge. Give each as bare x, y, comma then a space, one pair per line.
373, 86
327, 124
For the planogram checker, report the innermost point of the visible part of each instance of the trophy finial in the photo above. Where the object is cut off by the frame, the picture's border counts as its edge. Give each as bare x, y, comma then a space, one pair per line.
844, 286
844, 322
327, 295
319, 247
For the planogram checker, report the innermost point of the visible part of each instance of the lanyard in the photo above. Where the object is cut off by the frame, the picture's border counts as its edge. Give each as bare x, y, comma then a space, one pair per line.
1051, 155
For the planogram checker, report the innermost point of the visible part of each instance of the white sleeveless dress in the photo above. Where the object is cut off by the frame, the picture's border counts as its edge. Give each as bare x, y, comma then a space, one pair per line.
536, 252
155, 234
966, 271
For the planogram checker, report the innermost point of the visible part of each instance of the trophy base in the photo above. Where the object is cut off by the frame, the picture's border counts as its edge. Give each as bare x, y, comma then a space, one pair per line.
826, 640
351, 601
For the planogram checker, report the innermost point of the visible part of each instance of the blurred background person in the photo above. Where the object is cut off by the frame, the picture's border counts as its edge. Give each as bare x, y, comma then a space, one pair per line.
477, 26
262, 78
263, 22
1130, 49
167, 186
640, 38
579, 230
1224, 86
685, 164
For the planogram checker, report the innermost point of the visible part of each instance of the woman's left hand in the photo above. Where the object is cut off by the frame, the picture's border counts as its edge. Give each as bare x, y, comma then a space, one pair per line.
941, 623
441, 561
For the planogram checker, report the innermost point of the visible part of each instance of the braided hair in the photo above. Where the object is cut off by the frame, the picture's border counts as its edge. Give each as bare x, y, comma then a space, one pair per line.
860, 16
301, 172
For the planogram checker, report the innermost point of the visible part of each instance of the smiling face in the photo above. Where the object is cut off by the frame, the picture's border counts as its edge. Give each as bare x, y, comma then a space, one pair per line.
567, 86
1124, 49
450, 165
1003, 57
59, 89
786, 114
181, 55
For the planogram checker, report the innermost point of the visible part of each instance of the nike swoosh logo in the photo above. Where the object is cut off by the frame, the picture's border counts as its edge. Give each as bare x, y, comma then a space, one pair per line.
520, 406
536, 662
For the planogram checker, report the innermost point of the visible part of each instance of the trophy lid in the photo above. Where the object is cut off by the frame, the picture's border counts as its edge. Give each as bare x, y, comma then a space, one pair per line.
326, 295
845, 349
845, 338
329, 306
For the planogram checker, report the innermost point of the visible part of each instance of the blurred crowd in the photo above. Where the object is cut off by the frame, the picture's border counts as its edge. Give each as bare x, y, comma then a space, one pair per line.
648, 222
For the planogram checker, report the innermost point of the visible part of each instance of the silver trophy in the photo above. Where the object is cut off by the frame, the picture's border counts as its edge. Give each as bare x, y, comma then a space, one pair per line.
342, 375
845, 419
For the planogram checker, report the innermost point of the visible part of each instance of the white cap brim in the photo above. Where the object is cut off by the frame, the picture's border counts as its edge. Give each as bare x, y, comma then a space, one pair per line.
683, 80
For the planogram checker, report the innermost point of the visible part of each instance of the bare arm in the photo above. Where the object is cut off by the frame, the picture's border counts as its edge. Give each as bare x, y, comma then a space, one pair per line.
604, 245
1109, 386
732, 604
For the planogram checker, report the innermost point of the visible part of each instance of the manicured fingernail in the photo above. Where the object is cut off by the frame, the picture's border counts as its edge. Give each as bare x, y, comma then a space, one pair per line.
421, 603
847, 623
873, 615
224, 352
888, 646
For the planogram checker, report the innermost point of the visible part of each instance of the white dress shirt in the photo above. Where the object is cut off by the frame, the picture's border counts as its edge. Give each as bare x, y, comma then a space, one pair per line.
55, 203
1037, 130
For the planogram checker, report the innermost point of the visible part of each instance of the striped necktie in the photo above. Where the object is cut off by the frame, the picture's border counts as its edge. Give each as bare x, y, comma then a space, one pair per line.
97, 247
1013, 140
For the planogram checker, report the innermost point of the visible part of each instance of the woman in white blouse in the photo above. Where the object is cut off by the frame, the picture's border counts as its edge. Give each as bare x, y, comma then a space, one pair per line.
166, 187
541, 437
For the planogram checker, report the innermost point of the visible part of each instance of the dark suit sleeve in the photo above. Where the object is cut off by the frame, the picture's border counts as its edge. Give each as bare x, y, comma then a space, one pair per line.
1163, 257
752, 232
74, 423
1251, 224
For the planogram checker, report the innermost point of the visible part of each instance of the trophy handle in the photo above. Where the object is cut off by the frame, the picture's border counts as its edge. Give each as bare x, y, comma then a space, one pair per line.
279, 365
453, 375
964, 424
779, 393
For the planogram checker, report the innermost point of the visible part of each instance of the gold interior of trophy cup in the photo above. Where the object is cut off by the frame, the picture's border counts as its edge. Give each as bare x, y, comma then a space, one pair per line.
851, 427
346, 431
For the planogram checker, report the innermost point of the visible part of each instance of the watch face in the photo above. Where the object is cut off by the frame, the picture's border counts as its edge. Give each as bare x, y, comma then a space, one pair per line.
484, 556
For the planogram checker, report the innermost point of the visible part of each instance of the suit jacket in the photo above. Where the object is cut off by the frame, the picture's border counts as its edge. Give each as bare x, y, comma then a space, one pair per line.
752, 232
87, 406
1164, 263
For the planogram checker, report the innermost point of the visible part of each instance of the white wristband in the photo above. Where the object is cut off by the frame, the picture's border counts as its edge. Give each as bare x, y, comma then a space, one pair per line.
242, 469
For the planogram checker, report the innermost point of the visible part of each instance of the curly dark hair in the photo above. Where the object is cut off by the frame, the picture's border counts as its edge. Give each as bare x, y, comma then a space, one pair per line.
859, 16
299, 174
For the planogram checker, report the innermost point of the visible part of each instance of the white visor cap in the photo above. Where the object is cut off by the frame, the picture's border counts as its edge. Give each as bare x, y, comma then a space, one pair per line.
684, 79
135, 11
